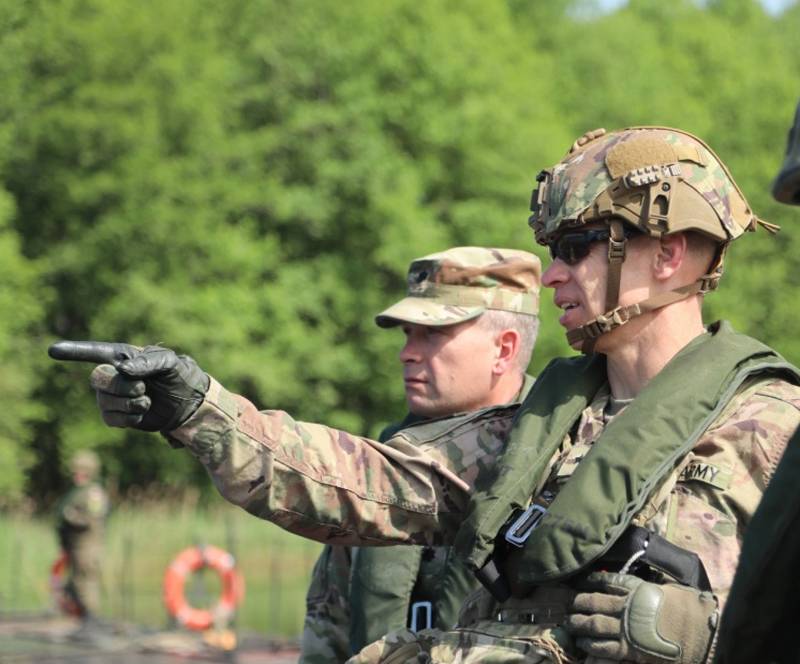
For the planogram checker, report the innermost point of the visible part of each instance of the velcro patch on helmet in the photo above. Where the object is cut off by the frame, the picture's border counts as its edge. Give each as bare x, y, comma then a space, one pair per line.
639, 152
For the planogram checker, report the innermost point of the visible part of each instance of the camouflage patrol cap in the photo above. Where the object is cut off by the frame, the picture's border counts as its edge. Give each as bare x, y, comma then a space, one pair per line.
85, 461
658, 179
786, 188
462, 283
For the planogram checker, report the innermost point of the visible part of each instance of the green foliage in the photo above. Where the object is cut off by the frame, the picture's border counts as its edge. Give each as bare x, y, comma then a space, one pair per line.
247, 182
20, 309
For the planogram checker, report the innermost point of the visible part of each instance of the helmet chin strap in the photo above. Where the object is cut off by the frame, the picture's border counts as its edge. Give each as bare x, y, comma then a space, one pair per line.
616, 316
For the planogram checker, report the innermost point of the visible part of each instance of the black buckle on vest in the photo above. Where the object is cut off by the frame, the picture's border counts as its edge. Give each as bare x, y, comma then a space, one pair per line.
522, 527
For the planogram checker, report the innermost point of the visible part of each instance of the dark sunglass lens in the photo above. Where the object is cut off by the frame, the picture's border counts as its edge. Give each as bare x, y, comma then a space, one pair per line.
573, 248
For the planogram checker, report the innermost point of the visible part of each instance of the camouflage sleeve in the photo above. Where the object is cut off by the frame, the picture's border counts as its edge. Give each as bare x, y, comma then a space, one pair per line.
722, 481
326, 629
330, 485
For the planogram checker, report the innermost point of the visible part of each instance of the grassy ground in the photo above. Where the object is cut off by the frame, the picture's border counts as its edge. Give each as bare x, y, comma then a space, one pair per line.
141, 542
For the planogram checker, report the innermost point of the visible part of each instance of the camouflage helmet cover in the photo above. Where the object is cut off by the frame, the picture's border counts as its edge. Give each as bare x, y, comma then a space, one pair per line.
786, 188
658, 179
85, 461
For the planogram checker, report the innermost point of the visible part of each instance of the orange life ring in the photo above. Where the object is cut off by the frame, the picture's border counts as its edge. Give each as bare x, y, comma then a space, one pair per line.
58, 571
190, 560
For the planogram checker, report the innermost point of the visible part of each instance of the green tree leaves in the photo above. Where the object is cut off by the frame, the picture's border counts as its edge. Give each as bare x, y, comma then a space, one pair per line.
248, 181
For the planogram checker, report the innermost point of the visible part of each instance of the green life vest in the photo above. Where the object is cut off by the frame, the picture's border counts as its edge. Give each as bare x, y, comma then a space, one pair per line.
385, 581
633, 454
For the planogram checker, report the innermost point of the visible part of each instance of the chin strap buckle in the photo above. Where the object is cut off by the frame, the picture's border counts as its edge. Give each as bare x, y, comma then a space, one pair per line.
616, 250
709, 282
602, 324
616, 243
609, 321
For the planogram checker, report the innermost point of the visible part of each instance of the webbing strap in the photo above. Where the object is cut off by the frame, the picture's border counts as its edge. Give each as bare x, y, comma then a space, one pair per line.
616, 257
619, 316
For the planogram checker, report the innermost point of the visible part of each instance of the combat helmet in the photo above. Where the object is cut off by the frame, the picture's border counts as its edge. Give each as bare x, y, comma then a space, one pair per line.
85, 461
786, 188
651, 180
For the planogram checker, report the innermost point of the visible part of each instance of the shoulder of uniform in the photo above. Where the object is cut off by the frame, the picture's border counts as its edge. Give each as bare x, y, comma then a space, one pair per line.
760, 388
781, 390
760, 401
455, 425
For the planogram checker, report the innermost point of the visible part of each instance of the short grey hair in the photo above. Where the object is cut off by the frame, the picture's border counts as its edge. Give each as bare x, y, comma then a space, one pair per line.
525, 325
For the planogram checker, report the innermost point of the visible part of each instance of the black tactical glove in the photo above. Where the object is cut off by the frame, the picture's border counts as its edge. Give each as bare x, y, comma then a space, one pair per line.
623, 617
149, 388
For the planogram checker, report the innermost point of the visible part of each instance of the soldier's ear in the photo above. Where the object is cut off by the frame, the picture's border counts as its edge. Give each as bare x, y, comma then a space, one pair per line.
670, 255
507, 345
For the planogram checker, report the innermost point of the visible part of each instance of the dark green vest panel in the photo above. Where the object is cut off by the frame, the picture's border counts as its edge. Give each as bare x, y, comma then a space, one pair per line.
385, 583
380, 591
764, 605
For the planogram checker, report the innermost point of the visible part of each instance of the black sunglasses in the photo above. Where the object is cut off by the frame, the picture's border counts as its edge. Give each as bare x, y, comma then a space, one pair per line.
572, 248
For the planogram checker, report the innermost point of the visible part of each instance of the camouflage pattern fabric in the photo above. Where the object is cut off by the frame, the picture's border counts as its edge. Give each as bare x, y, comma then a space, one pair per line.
464, 646
326, 627
704, 507
81, 530
326, 635
366, 592
460, 284
761, 613
330, 485
610, 174
374, 585
338, 488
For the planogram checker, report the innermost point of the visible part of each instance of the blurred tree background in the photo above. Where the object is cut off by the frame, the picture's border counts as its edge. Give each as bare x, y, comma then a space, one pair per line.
247, 180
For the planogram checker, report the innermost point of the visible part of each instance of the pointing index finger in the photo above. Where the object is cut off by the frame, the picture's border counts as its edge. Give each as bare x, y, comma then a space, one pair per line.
102, 352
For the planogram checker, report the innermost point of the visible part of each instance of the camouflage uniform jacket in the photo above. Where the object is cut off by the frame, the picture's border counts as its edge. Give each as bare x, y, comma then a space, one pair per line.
358, 595
326, 632
758, 623
332, 486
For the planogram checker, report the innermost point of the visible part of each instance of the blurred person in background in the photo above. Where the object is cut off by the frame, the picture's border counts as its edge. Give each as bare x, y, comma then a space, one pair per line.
80, 525
451, 375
